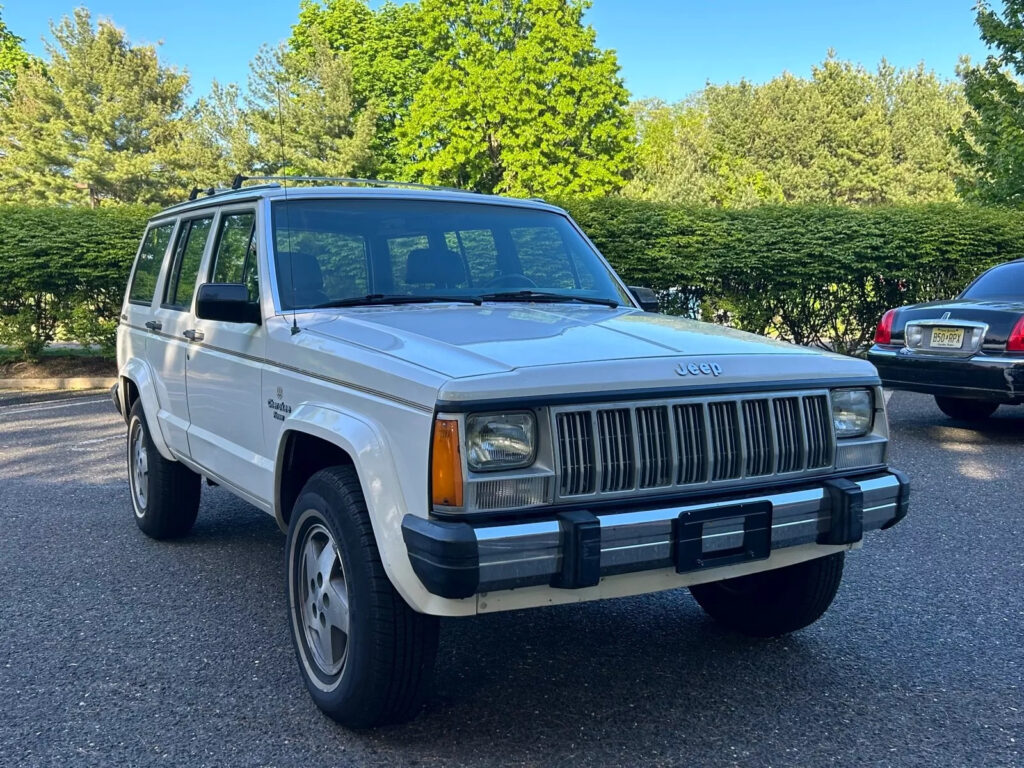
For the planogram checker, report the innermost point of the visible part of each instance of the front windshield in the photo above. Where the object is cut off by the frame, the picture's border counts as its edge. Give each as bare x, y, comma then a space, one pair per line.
333, 250
1003, 282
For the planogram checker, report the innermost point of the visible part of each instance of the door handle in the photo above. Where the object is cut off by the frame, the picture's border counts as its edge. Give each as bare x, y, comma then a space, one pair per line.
154, 325
194, 335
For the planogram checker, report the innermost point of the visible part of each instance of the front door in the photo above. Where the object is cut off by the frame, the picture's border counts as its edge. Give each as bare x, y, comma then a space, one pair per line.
225, 364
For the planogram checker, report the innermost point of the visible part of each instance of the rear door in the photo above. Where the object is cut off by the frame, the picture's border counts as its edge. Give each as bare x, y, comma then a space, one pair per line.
225, 365
167, 347
137, 317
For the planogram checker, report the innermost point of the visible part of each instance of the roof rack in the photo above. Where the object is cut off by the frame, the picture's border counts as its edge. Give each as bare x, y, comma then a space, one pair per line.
240, 179
215, 192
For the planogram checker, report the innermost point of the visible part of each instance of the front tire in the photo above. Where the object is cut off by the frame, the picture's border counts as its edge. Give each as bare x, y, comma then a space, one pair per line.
962, 409
165, 494
775, 602
367, 658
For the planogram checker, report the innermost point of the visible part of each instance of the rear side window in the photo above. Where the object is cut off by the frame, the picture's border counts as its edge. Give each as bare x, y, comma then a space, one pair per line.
147, 268
235, 258
188, 253
1003, 282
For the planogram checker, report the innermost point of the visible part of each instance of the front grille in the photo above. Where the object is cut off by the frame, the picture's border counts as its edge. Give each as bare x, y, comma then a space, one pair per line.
623, 447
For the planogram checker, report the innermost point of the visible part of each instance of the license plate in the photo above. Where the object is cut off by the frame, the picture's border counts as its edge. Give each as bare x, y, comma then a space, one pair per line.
947, 338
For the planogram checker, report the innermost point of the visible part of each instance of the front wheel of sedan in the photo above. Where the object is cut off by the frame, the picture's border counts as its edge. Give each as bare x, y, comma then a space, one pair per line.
165, 494
367, 658
965, 410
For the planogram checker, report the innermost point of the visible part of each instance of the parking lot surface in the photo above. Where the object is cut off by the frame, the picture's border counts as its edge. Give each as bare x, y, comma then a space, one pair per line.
115, 649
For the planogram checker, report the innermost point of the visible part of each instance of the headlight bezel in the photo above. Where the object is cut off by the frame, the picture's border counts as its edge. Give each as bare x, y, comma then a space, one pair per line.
863, 413
474, 422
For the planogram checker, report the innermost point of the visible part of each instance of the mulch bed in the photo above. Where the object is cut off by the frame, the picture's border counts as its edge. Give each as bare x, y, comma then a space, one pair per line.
58, 367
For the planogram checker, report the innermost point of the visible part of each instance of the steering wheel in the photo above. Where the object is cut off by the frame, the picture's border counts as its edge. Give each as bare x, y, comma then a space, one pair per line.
513, 280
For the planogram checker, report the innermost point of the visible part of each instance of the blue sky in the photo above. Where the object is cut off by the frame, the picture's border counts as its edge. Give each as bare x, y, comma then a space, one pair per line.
666, 48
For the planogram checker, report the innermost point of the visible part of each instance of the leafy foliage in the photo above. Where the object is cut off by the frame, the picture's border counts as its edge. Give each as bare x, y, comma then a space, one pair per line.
809, 274
63, 272
991, 140
843, 136
518, 100
386, 58
102, 118
13, 59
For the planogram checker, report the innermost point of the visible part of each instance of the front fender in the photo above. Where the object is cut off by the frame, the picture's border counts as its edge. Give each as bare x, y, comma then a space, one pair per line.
139, 373
365, 443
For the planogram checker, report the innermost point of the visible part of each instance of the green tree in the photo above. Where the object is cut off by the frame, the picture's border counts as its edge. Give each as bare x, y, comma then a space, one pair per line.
991, 141
13, 59
386, 58
843, 136
102, 118
298, 116
519, 100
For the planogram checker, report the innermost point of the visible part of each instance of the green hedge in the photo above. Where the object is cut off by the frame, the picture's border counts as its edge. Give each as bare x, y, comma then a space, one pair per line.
810, 274
814, 275
63, 272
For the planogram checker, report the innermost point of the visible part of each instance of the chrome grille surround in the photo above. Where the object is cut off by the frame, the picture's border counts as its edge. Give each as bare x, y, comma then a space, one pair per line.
615, 449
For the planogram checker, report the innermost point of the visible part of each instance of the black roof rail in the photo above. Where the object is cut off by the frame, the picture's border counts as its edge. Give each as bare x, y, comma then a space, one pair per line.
237, 182
213, 192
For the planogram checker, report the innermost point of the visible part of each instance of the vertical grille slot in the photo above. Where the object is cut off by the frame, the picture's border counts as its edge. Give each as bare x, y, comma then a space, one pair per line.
655, 461
615, 441
613, 448
757, 430
691, 434
725, 440
575, 453
787, 429
819, 436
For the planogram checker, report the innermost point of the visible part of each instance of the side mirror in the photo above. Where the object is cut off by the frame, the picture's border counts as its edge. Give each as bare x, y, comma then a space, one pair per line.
228, 302
646, 298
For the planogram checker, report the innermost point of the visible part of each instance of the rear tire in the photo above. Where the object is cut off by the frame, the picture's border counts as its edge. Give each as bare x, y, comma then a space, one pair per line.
367, 658
165, 494
965, 410
774, 602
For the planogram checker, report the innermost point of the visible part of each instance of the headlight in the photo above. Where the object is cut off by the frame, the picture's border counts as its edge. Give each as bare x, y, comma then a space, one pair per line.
500, 441
852, 411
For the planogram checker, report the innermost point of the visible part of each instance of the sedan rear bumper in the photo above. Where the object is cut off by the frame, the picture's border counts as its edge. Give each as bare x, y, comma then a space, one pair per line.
572, 550
979, 377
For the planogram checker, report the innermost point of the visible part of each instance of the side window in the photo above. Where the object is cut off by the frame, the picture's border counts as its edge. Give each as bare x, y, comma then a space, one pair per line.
188, 253
235, 257
147, 269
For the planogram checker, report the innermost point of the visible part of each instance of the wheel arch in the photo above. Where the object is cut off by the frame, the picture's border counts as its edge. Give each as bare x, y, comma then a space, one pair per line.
136, 383
319, 436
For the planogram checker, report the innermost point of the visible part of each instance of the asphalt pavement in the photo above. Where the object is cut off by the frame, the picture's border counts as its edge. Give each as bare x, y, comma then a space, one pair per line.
115, 649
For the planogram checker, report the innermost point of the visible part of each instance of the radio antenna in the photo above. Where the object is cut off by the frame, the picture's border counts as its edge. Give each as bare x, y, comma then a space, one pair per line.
287, 216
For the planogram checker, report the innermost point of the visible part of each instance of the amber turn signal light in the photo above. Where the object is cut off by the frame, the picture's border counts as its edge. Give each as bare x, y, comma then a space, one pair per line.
446, 464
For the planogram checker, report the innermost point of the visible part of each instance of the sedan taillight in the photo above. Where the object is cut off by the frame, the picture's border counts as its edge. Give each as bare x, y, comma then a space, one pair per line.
883, 334
1016, 341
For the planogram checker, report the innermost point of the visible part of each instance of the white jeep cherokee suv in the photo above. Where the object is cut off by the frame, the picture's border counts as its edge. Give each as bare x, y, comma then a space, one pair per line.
453, 405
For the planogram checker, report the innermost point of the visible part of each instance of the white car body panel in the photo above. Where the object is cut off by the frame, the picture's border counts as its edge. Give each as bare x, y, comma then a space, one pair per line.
370, 380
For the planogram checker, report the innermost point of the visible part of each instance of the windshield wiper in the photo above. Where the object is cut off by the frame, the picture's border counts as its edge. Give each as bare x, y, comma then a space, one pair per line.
398, 298
546, 296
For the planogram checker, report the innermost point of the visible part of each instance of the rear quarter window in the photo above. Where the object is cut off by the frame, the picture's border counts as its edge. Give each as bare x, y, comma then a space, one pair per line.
147, 266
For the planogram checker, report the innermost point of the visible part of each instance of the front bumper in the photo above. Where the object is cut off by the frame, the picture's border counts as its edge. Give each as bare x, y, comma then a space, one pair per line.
575, 549
980, 377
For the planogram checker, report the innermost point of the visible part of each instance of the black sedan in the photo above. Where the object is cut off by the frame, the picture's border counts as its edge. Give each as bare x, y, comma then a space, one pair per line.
968, 352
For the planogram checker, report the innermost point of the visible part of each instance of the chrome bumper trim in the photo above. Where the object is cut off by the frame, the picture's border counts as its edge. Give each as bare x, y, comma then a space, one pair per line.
575, 549
642, 540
